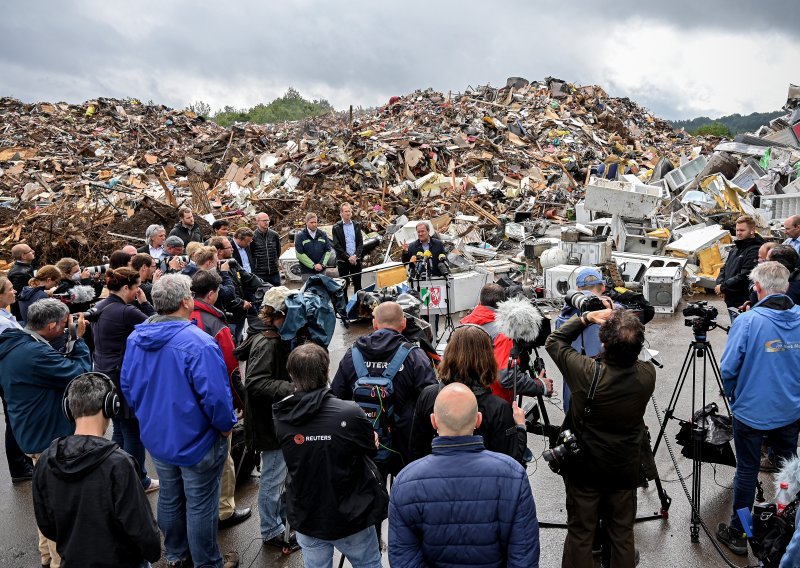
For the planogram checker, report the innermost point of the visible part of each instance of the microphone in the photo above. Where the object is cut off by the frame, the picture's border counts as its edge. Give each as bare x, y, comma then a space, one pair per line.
80, 294
519, 320
444, 267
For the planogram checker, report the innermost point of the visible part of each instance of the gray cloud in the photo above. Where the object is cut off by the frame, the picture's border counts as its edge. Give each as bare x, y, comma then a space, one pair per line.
361, 52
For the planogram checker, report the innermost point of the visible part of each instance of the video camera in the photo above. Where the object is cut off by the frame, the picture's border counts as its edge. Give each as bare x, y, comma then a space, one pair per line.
705, 317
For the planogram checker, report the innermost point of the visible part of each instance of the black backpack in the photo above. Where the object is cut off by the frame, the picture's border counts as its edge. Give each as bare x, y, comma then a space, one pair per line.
772, 532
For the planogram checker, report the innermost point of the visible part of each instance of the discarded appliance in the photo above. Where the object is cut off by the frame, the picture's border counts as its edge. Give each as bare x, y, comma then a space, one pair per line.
587, 253
781, 206
679, 178
636, 238
662, 288
622, 198
560, 279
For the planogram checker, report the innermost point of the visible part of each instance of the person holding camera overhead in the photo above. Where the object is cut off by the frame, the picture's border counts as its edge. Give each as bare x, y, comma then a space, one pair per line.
114, 320
606, 415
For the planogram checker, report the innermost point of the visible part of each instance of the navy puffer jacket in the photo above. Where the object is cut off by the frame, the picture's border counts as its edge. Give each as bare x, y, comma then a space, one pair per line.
463, 506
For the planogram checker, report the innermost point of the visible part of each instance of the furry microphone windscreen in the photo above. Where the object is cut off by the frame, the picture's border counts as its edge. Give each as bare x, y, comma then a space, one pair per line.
518, 319
81, 294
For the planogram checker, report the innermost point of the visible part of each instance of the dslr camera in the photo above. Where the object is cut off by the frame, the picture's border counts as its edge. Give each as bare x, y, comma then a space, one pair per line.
558, 455
583, 302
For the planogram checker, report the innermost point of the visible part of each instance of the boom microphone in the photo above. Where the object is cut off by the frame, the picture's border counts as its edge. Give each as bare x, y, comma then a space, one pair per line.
80, 294
519, 320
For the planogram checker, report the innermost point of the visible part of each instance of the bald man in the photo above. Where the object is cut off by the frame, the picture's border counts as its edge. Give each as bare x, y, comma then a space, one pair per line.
792, 228
478, 502
21, 272
373, 355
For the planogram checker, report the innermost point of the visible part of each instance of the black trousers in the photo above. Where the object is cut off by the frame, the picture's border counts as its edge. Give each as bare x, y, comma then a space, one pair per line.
18, 463
584, 506
345, 269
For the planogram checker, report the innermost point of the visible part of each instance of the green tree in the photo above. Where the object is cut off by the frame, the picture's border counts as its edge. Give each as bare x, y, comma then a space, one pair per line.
713, 129
290, 106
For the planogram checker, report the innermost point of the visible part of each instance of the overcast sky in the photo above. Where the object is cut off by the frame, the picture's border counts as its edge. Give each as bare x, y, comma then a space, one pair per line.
679, 58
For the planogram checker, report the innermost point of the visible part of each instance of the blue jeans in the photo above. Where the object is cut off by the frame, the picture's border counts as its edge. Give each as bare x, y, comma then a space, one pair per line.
237, 329
361, 550
747, 442
188, 507
274, 278
270, 488
126, 436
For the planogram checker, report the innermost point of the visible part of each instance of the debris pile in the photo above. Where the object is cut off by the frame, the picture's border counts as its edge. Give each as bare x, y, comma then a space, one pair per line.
71, 173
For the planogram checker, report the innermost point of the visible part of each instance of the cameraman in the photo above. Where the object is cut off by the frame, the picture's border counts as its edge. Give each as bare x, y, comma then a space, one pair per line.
605, 474
590, 285
759, 375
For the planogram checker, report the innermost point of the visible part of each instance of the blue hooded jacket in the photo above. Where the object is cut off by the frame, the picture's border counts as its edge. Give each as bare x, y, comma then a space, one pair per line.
761, 364
174, 378
33, 376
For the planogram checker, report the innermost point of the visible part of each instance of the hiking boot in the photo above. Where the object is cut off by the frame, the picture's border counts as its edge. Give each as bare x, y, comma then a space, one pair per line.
182, 563
230, 560
732, 538
767, 465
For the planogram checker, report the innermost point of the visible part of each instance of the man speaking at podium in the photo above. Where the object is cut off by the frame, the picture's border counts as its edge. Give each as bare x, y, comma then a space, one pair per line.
427, 265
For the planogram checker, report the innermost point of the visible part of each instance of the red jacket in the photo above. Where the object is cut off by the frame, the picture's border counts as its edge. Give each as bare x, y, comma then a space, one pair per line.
503, 386
212, 321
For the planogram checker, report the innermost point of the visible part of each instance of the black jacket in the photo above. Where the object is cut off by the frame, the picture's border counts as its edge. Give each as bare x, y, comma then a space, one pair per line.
436, 248
266, 249
248, 252
186, 235
88, 498
333, 488
266, 381
19, 275
611, 438
111, 330
339, 242
499, 431
733, 277
378, 348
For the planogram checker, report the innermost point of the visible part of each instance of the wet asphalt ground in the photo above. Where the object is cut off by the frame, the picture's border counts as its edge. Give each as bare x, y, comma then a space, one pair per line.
662, 542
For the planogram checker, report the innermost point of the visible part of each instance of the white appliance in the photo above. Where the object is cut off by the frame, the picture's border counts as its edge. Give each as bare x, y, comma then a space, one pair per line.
588, 253
662, 288
560, 279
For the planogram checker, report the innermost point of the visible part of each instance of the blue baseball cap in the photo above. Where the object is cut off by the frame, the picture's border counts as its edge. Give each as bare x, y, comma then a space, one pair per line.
589, 277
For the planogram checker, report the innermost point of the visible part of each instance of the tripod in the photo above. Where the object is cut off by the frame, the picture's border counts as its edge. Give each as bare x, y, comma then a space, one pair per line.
699, 348
448, 321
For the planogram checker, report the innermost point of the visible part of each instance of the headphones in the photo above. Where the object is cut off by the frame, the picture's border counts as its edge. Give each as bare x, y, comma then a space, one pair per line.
111, 400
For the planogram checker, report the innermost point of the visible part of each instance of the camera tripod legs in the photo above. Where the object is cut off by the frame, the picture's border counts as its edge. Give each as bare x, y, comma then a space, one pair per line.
698, 349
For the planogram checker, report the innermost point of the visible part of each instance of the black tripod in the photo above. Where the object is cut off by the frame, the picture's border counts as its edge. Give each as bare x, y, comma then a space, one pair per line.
699, 348
448, 320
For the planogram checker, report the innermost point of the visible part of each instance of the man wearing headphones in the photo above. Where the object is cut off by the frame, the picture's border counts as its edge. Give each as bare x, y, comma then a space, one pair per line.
114, 527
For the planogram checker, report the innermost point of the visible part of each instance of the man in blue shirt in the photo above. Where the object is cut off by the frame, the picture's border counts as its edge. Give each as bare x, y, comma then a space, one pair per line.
349, 246
792, 228
759, 375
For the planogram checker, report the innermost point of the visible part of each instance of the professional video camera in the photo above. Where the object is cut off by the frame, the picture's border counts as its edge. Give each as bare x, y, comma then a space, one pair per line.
705, 317
557, 456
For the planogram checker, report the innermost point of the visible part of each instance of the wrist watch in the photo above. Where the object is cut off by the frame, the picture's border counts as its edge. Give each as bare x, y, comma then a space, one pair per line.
584, 320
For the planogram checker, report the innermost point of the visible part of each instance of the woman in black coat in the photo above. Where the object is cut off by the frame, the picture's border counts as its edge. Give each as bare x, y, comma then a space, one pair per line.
117, 315
469, 359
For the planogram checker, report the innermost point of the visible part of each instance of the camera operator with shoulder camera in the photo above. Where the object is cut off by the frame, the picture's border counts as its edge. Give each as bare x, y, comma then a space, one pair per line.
606, 415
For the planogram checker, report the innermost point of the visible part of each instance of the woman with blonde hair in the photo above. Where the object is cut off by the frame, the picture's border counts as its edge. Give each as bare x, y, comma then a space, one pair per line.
469, 359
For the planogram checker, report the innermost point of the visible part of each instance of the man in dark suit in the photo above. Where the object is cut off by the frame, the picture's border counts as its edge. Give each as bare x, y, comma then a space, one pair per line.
349, 246
424, 243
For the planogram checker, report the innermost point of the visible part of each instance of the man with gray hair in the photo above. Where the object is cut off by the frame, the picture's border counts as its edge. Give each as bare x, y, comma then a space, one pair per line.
478, 502
173, 248
113, 528
266, 249
759, 374
155, 235
33, 376
313, 248
174, 379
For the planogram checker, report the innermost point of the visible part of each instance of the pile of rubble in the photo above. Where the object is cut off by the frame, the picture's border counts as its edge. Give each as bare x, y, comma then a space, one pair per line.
71, 174
492, 168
